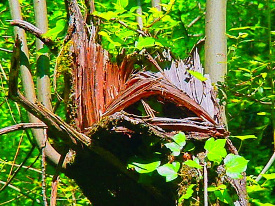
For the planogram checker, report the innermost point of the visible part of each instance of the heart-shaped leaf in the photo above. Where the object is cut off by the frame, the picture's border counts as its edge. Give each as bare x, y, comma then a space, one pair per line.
215, 149
235, 165
169, 171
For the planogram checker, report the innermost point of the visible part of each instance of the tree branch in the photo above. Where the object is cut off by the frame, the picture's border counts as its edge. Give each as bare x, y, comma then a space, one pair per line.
21, 126
36, 32
27, 80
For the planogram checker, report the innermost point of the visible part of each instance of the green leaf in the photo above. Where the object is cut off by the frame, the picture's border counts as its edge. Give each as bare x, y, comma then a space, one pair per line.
108, 37
106, 15
244, 137
215, 149
188, 193
192, 163
53, 33
263, 114
224, 196
176, 147
144, 168
269, 176
198, 75
169, 171
122, 3
240, 28
180, 139
235, 165
255, 188
145, 42
220, 187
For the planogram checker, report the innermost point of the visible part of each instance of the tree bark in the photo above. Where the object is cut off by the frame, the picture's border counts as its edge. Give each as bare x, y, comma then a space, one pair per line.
28, 85
215, 42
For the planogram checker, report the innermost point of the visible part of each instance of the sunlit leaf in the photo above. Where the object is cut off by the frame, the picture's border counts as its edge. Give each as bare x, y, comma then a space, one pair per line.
180, 139
220, 187
198, 75
188, 193
244, 137
53, 33
240, 28
224, 196
243, 35
145, 42
169, 171
174, 147
235, 165
144, 168
269, 176
215, 149
106, 15
192, 163
122, 3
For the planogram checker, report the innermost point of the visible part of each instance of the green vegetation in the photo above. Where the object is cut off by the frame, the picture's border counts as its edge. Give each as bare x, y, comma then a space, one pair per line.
249, 94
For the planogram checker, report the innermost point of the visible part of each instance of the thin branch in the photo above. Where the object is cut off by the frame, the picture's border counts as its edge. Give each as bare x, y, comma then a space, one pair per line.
16, 155
18, 169
268, 165
161, 17
17, 165
139, 31
195, 20
20, 191
205, 184
6, 50
36, 32
21, 126
54, 190
43, 168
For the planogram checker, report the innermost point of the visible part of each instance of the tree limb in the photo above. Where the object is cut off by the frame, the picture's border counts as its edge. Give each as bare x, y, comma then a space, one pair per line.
36, 32
21, 126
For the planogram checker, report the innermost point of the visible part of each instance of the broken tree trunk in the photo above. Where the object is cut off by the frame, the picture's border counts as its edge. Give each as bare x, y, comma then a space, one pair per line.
107, 131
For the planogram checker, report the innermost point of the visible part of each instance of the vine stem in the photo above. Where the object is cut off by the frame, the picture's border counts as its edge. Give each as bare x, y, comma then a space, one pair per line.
205, 184
268, 165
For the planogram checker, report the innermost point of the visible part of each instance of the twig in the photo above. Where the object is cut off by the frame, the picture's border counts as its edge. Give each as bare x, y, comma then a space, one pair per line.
21, 126
36, 32
17, 165
6, 50
205, 184
43, 168
161, 17
197, 46
141, 32
18, 169
16, 155
54, 190
195, 20
268, 165
20, 191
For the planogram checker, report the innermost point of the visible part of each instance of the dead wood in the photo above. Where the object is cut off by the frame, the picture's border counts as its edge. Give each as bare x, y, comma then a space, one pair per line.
104, 137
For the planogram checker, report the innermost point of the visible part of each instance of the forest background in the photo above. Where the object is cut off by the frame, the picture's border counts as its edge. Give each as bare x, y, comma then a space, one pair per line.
248, 92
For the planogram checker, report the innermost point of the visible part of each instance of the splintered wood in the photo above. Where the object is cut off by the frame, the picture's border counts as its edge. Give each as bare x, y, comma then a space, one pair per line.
103, 88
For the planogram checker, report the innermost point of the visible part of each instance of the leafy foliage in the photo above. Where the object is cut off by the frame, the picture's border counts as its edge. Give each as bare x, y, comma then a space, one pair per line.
249, 89
235, 165
215, 149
